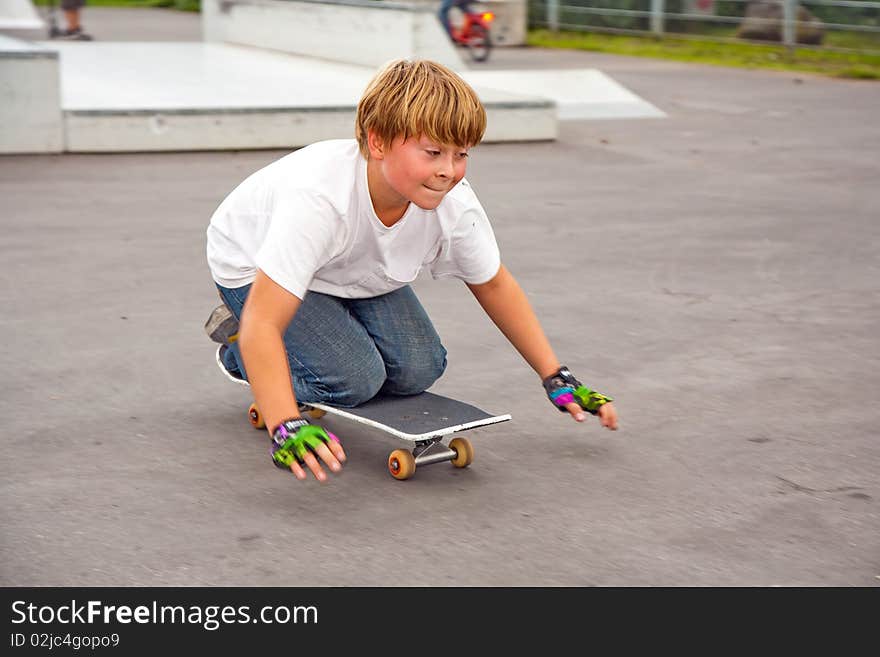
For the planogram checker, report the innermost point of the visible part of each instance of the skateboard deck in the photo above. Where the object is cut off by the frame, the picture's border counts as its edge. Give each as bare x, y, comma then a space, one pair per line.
418, 417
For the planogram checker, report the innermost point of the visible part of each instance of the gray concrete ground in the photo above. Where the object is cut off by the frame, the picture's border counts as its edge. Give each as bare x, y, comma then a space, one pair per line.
716, 271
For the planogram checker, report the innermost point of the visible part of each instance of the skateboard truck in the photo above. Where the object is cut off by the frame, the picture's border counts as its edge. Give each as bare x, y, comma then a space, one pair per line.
402, 463
427, 452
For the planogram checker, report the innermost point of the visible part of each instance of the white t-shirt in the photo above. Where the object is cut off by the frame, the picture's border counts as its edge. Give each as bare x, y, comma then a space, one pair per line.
308, 222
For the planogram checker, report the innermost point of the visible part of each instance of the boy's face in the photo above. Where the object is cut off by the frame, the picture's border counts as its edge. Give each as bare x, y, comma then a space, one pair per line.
421, 171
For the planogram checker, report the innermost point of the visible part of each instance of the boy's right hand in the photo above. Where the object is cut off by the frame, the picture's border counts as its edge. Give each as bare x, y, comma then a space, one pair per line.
296, 443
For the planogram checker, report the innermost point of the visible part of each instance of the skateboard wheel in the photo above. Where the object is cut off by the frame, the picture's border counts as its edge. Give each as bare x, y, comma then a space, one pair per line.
464, 452
401, 464
316, 413
255, 418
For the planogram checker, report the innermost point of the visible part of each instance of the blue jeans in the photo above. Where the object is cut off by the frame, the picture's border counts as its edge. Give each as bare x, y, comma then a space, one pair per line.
343, 352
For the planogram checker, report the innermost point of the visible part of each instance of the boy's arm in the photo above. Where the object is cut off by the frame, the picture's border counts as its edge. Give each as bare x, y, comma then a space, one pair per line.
506, 304
508, 307
267, 312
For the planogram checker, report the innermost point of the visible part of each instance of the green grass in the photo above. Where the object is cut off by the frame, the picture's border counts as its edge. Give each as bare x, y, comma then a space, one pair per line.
865, 66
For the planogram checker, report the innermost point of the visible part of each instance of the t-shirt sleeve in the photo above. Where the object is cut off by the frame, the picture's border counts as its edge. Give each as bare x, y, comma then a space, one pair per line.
301, 239
471, 253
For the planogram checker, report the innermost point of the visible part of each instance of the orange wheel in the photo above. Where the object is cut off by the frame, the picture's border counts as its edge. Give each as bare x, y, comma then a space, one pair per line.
316, 413
255, 418
464, 452
401, 464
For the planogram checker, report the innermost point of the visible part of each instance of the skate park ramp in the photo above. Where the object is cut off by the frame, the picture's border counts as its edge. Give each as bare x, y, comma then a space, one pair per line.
19, 18
211, 96
236, 90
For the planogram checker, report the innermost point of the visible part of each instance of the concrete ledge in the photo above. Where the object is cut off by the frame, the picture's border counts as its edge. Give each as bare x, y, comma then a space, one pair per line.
210, 96
106, 131
30, 98
13, 48
187, 130
19, 18
359, 32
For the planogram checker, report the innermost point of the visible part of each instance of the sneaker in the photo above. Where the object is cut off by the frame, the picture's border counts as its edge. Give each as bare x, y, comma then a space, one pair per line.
234, 376
73, 35
222, 327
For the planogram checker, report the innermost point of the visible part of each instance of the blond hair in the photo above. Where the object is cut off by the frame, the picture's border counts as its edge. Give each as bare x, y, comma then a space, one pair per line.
421, 97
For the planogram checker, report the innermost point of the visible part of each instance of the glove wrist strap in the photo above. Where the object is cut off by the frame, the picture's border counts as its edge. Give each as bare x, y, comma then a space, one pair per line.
288, 428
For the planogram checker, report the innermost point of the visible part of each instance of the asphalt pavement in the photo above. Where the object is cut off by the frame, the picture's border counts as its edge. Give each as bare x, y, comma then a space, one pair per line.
716, 271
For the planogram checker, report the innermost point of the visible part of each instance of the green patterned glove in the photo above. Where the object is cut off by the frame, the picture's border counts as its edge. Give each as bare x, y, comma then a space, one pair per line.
294, 438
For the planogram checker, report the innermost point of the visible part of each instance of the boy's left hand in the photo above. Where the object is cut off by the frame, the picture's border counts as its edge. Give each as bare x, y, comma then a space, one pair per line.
569, 394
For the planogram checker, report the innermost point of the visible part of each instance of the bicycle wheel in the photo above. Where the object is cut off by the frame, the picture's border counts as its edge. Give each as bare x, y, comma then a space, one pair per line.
478, 43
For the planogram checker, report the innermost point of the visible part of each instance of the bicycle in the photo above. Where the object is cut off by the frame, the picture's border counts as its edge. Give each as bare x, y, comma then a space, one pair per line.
473, 34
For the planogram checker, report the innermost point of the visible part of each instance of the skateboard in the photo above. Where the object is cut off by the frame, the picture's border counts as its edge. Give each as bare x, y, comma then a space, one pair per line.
423, 419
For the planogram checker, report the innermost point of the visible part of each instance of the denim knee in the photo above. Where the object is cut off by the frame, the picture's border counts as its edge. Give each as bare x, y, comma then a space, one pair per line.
355, 388
417, 374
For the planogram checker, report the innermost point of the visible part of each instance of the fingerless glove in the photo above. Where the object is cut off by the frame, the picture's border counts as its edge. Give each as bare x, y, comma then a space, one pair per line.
294, 438
563, 388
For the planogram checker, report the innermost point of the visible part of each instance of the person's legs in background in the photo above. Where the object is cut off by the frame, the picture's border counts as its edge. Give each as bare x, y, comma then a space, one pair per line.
71, 9
443, 15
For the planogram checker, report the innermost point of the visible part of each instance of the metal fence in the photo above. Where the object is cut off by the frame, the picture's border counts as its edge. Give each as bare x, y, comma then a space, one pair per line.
852, 25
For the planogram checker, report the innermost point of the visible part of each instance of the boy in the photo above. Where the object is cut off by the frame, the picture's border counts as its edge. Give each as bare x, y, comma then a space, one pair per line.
313, 255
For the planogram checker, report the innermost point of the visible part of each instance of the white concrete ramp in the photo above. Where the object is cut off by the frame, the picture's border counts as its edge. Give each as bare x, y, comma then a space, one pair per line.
19, 15
172, 96
267, 74
211, 96
362, 32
